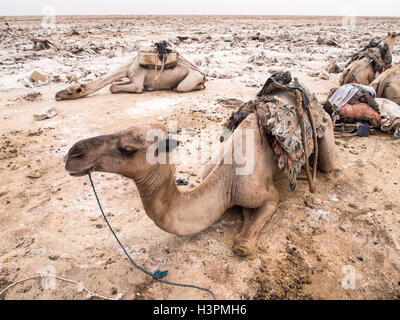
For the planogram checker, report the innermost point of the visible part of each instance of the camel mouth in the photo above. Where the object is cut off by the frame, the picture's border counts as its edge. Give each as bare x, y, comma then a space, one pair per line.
82, 172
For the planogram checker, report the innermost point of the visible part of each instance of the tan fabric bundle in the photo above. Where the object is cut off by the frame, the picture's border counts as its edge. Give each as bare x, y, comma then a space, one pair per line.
149, 58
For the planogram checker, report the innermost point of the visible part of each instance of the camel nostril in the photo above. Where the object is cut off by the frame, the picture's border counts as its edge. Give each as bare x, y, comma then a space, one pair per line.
76, 155
76, 152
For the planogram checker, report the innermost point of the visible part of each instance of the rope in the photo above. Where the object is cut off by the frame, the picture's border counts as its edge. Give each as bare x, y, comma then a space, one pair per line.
157, 275
79, 289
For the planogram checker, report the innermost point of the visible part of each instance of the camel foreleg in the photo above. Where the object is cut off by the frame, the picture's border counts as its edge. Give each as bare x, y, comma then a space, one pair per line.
253, 221
128, 88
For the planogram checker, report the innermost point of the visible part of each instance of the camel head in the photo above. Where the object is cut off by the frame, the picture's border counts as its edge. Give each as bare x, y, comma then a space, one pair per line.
74, 91
125, 152
391, 39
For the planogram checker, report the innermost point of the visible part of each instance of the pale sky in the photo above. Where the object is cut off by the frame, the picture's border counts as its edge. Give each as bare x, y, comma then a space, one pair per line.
223, 7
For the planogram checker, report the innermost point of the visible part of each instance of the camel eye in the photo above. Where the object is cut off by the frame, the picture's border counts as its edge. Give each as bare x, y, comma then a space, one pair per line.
126, 152
79, 90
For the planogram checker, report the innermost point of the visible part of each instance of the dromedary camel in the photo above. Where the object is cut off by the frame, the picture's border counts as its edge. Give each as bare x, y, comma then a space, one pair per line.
387, 85
186, 213
362, 71
184, 77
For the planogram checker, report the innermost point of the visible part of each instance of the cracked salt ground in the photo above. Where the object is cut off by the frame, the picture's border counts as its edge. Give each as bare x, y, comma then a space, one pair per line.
333, 198
319, 215
154, 106
68, 227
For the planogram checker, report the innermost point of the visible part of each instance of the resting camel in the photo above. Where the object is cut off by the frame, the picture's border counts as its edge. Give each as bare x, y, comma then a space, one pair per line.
186, 213
184, 77
361, 71
387, 85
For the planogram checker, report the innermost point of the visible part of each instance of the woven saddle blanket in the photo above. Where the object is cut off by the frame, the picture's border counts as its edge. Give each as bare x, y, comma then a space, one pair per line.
276, 108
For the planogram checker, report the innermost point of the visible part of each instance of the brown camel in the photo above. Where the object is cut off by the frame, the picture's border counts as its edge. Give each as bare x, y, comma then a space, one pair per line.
186, 213
361, 70
184, 77
387, 85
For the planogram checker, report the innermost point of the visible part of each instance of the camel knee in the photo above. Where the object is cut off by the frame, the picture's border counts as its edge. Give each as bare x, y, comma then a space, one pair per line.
243, 246
191, 82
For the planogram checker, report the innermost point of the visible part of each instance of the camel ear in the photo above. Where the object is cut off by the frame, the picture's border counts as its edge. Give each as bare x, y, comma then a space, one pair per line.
167, 145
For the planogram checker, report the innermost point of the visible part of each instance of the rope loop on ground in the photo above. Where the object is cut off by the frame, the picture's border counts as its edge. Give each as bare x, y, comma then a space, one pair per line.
157, 275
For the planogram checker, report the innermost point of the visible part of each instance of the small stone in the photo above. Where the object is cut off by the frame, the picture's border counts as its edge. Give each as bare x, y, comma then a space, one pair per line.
47, 115
276, 69
313, 73
198, 62
324, 75
309, 203
34, 174
352, 205
37, 76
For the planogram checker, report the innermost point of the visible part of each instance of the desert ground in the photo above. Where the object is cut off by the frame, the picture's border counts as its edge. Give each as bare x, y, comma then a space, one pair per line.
342, 242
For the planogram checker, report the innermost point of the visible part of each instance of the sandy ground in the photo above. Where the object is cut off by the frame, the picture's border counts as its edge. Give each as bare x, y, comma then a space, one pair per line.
343, 242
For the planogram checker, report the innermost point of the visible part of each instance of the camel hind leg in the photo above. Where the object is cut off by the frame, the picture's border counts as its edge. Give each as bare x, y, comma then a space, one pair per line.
193, 81
326, 148
135, 84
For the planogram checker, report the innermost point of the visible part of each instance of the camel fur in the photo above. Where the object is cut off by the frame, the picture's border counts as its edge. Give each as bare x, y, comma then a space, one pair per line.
190, 212
184, 77
387, 85
361, 71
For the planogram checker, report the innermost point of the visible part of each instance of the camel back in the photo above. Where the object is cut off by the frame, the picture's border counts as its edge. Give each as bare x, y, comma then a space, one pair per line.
279, 110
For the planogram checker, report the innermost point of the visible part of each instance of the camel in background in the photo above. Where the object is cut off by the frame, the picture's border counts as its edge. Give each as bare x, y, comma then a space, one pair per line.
369, 62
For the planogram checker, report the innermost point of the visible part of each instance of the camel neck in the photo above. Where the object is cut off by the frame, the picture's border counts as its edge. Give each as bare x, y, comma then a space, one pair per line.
185, 212
391, 42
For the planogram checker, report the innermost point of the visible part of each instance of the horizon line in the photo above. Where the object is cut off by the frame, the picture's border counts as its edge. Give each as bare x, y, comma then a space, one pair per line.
201, 15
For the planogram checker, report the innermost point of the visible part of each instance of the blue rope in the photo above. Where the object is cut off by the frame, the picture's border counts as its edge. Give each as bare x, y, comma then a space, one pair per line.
158, 274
